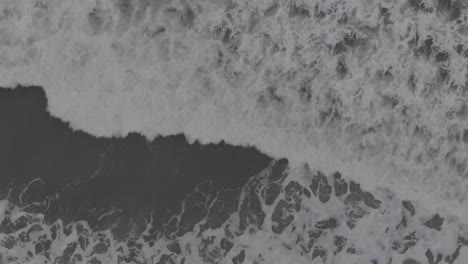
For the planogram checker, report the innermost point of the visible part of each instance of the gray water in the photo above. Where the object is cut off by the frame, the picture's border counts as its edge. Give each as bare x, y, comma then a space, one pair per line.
360, 107
69, 197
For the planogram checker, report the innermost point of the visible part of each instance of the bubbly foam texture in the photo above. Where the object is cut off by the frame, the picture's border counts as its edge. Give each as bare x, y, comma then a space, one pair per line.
278, 219
376, 89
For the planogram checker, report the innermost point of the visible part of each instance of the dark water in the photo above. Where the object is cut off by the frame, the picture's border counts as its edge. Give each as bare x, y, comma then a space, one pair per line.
151, 195
47, 167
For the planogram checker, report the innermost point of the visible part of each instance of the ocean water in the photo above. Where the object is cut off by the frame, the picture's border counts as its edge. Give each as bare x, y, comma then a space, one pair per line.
363, 92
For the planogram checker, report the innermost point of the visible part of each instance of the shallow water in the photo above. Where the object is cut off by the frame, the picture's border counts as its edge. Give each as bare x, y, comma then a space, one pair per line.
48, 167
373, 90
73, 198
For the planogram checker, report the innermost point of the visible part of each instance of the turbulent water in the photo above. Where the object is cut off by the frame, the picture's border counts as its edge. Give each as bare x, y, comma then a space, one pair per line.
276, 219
376, 90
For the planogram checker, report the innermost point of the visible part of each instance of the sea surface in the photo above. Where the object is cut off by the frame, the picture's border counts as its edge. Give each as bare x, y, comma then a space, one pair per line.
220, 131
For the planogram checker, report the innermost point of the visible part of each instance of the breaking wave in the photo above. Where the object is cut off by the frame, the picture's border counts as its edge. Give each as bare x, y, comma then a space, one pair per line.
376, 90
357, 85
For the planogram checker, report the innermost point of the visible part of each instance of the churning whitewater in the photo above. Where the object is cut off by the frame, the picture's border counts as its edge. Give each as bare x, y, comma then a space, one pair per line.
374, 90
349, 84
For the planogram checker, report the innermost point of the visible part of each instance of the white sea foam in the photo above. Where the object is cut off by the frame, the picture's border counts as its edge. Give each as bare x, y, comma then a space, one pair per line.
376, 89
299, 225
3, 206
